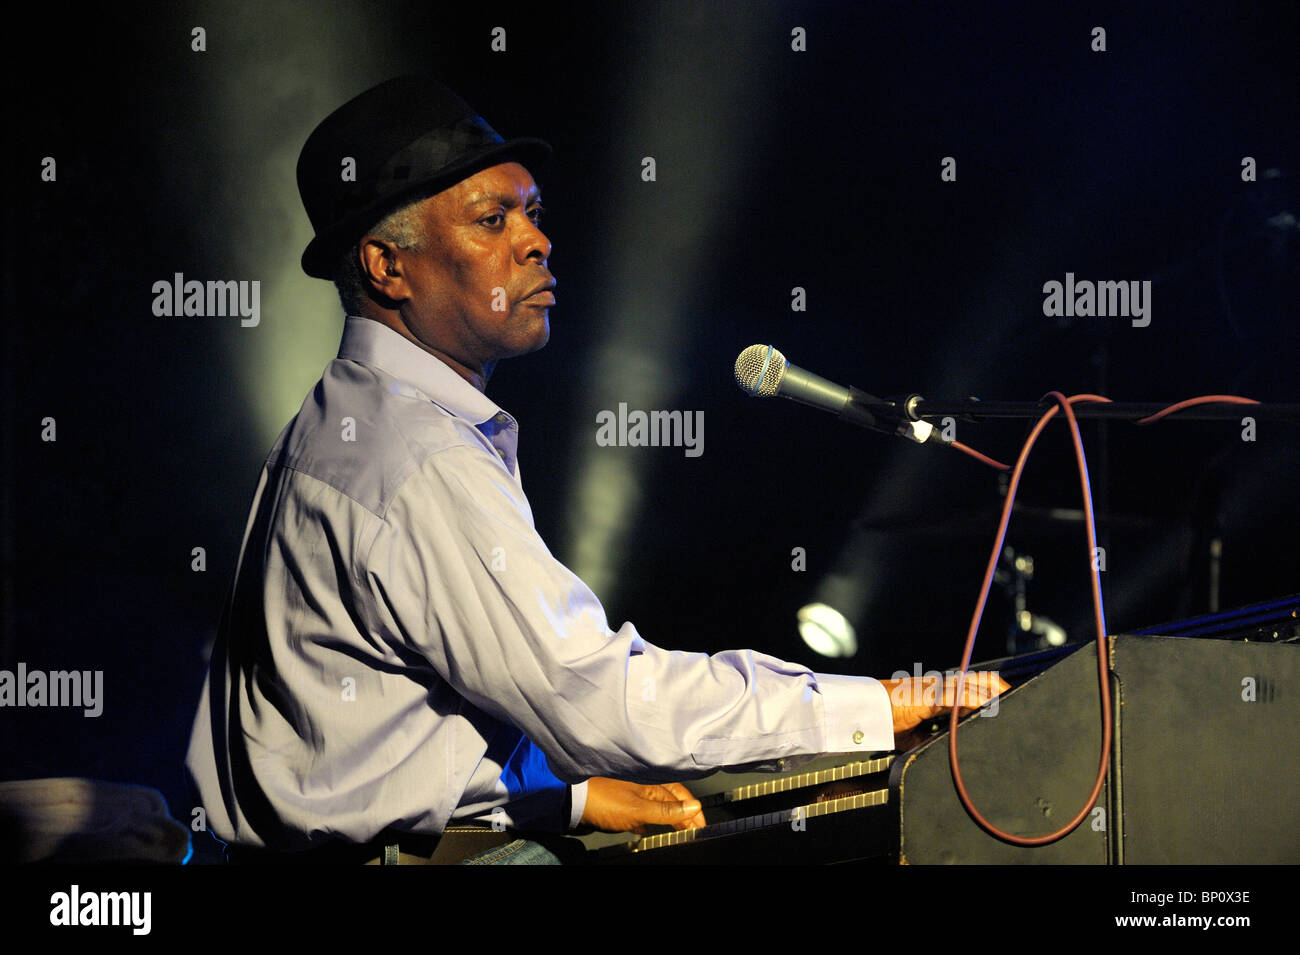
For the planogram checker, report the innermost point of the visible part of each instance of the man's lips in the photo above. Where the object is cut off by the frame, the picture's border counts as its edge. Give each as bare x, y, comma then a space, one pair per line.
544, 294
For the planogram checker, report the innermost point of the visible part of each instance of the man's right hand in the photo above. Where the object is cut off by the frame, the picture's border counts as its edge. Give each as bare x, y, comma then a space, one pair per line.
915, 700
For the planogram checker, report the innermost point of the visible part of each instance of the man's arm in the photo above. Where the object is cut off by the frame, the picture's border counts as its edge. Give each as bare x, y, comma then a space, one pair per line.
460, 575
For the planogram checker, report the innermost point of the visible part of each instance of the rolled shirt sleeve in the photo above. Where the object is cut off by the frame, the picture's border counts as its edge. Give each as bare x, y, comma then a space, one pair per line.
460, 575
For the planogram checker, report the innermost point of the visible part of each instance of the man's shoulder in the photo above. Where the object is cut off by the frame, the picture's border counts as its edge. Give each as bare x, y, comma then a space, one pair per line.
363, 433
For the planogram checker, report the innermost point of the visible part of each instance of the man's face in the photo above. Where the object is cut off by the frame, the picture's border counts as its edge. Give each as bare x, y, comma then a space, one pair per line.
474, 286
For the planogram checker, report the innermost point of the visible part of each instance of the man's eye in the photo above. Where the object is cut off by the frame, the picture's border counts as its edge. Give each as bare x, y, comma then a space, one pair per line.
536, 214
493, 220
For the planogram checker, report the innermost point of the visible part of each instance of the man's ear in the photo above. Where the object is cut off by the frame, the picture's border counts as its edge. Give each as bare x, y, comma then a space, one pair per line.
381, 269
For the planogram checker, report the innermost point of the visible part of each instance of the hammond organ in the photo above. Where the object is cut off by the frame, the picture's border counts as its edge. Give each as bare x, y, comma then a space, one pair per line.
1204, 768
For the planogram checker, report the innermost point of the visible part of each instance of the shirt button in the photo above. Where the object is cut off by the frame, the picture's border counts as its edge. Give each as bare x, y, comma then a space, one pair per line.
858, 736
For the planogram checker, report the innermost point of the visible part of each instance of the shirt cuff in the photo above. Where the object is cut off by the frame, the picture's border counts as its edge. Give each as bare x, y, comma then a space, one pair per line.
577, 803
857, 714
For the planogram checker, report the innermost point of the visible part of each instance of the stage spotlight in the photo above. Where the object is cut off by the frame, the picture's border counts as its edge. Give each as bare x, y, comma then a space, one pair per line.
648, 324
827, 630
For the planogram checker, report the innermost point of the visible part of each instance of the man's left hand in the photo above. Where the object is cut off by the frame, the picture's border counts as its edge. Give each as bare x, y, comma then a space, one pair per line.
617, 806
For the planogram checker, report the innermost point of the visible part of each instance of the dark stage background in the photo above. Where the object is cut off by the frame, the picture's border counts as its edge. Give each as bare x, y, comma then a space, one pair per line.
775, 169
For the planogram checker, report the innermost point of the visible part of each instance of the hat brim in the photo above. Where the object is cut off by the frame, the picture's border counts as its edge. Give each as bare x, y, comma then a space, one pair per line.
320, 258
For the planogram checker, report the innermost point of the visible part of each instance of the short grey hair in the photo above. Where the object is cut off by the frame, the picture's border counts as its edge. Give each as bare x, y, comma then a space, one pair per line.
402, 227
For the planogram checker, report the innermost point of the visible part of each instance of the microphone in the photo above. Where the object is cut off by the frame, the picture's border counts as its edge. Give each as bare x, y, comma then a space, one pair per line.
762, 371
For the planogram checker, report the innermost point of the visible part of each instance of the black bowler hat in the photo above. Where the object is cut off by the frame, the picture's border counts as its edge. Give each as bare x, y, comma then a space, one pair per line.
408, 135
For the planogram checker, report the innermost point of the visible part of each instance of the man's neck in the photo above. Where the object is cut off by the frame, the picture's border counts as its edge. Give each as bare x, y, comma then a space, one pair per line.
478, 377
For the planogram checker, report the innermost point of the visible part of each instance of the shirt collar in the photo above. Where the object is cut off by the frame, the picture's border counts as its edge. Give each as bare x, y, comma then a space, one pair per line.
373, 343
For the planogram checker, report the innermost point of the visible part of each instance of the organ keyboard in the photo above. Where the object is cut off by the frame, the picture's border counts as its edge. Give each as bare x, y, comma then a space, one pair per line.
813, 786
1203, 768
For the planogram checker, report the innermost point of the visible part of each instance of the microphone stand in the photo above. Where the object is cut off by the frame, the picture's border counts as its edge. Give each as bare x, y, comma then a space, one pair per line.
916, 408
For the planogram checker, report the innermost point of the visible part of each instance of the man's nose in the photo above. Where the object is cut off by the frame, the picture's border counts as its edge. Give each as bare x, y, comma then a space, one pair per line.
532, 244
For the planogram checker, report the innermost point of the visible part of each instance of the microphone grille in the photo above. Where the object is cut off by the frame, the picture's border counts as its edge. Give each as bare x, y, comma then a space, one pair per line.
759, 369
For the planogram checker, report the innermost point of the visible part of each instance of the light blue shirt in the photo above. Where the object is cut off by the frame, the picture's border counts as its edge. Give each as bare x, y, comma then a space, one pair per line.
400, 648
